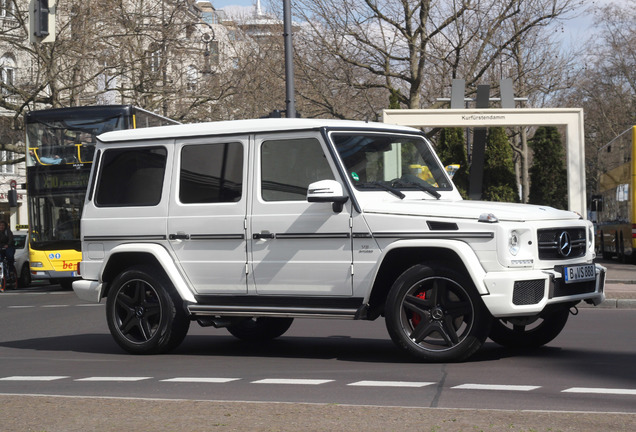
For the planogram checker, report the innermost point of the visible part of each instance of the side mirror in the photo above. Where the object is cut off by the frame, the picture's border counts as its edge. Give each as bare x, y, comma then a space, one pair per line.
327, 191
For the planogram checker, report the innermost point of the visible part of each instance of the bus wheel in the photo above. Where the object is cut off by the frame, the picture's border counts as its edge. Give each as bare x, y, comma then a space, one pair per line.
144, 314
621, 251
604, 253
435, 314
529, 332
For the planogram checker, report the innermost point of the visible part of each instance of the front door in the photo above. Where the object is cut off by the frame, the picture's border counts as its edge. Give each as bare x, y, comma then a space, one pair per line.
297, 247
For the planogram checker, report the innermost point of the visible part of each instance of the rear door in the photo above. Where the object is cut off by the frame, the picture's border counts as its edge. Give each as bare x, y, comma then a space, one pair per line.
206, 224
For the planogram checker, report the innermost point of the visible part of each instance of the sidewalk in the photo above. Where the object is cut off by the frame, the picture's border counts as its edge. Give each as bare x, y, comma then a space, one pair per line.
620, 286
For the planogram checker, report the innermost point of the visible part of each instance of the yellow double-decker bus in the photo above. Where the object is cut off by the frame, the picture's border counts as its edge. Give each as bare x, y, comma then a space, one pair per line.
60, 144
614, 209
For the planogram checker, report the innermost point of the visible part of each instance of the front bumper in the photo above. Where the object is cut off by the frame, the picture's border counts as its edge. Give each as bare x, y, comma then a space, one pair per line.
51, 274
529, 292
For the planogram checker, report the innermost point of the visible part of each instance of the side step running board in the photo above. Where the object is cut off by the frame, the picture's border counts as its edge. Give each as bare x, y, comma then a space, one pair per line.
273, 311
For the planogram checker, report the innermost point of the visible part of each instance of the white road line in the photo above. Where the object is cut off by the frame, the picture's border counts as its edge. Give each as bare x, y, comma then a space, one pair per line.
89, 304
20, 307
390, 384
292, 381
200, 380
54, 306
33, 378
113, 379
600, 391
495, 387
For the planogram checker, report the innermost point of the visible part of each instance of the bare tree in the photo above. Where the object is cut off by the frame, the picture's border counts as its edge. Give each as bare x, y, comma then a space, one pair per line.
413, 48
607, 88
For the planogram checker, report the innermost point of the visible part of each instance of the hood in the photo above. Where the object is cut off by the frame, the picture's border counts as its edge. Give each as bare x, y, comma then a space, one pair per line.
469, 210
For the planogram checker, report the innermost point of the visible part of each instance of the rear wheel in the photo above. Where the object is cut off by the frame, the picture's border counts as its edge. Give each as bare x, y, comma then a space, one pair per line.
435, 314
144, 313
260, 328
529, 332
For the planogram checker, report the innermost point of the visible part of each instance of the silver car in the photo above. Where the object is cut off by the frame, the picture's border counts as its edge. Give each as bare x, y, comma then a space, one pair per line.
22, 268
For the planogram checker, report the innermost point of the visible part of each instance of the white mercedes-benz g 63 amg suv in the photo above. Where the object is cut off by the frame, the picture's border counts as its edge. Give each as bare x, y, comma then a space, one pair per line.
249, 224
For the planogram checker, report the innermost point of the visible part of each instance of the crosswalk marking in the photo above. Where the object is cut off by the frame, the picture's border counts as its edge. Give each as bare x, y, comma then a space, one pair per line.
200, 380
33, 378
292, 381
614, 391
113, 379
495, 387
297, 381
390, 384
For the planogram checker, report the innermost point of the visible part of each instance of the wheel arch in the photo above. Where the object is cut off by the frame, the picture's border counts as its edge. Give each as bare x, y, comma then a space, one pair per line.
130, 255
399, 258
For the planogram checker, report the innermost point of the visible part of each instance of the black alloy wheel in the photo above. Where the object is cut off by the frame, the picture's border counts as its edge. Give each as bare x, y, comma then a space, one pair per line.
435, 313
144, 313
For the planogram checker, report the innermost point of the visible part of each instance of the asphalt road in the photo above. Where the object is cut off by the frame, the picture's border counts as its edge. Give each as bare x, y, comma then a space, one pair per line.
53, 344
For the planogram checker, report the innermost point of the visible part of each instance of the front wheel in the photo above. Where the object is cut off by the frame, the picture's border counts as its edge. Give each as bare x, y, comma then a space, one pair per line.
260, 328
25, 276
144, 313
529, 332
436, 314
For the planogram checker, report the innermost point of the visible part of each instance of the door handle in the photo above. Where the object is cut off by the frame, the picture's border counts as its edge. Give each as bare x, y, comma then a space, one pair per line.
264, 235
179, 236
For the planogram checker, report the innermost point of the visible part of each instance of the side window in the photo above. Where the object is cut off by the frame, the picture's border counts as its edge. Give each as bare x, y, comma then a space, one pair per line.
288, 167
211, 173
131, 177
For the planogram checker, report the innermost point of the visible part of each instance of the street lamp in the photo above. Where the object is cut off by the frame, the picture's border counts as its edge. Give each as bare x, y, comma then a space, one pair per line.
289, 60
207, 38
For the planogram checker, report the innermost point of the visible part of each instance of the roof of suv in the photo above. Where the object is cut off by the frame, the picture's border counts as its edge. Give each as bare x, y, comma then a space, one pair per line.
241, 127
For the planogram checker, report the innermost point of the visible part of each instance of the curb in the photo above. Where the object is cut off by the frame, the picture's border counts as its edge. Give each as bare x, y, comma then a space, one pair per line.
611, 304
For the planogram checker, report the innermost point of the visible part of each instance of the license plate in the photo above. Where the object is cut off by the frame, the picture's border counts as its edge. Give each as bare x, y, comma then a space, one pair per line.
579, 273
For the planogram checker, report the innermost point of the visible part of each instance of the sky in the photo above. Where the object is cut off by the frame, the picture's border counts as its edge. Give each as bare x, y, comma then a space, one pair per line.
575, 30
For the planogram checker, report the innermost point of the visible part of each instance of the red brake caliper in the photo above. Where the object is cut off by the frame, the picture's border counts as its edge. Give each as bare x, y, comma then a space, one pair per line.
416, 318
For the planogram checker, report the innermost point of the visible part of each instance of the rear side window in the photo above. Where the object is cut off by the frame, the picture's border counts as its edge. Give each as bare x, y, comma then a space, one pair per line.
211, 173
131, 177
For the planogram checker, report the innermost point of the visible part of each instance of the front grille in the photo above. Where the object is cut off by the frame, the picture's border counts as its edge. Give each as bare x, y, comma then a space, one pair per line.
553, 247
528, 292
562, 289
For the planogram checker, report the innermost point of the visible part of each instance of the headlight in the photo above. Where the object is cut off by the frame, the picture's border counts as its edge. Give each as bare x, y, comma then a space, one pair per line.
514, 243
37, 264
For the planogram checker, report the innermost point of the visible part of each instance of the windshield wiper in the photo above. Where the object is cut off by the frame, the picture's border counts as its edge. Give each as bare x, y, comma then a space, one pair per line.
425, 187
384, 186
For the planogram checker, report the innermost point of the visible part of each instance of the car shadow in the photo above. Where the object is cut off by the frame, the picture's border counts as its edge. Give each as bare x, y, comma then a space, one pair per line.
615, 366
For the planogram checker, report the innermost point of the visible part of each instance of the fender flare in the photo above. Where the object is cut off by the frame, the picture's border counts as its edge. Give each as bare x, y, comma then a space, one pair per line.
165, 260
475, 270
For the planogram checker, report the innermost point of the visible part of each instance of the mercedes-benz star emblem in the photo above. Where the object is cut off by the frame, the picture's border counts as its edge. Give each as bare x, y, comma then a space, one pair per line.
565, 244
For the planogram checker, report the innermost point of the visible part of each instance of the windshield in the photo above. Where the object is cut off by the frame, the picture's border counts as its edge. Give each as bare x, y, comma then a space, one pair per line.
391, 163
70, 141
56, 197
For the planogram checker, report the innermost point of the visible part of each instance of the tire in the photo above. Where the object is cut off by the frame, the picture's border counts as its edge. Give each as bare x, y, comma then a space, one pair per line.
529, 332
604, 253
25, 276
435, 314
622, 258
145, 315
260, 328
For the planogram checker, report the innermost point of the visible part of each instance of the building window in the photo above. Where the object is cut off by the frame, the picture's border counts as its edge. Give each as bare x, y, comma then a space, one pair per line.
7, 73
192, 76
154, 58
7, 8
7, 168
